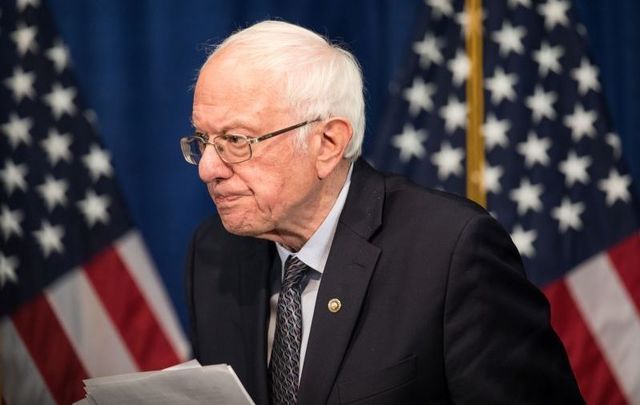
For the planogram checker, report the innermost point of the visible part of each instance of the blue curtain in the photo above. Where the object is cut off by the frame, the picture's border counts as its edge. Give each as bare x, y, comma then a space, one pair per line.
137, 60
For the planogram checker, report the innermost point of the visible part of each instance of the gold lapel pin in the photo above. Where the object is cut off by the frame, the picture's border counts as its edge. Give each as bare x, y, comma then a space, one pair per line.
334, 305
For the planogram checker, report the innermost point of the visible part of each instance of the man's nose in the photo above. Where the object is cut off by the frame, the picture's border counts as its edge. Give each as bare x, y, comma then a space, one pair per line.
211, 167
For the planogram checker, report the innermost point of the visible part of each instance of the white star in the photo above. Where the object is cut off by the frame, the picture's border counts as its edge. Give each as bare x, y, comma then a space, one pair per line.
97, 161
21, 84
13, 176
409, 142
581, 123
554, 13
534, 150
515, 3
8, 265
59, 55
50, 238
429, 50
448, 160
17, 130
454, 114
616, 187
54, 192
94, 208
60, 100
22, 4
495, 132
459, 67
24, 37
548, 58
419, 96
509, 39
492, 176
613, 140
568, 215
501, 86
440, 7
10, 222
541, 104
575, 168
527, 196
56, 145
587, 77
524, 241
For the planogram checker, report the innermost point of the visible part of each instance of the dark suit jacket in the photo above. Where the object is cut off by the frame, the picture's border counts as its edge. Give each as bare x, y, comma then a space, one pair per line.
435, 306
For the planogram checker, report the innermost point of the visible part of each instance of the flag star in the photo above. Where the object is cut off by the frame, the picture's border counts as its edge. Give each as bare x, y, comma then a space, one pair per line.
409, 142
548, 58
22, 4
509, 39
91, 116
419, 96
440, 7
515, 3
8, 266
448, 160
613, 140
60, 100
17, 130
21, 84
94, 208
527, 197
581, 123
429, 50
495, 132
97, 161
554, 13
616, 187
501, 86
50, 238
24, 37
534, 150
10, 222
59, 55
56, 145
54, 192
13, 176
454, 114
524, 241
541, 104
568, 215
459, 67
492, 176
587, 77
575, 168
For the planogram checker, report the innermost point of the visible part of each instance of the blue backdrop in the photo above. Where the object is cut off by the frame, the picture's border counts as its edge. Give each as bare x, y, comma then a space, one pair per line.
137, 60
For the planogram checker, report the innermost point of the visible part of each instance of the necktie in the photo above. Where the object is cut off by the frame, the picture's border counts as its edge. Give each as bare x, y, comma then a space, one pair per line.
285, 355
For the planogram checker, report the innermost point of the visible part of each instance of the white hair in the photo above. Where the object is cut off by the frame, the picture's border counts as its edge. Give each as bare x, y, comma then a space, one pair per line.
321, 80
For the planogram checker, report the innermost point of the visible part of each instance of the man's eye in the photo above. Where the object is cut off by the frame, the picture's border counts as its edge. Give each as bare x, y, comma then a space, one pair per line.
233, 139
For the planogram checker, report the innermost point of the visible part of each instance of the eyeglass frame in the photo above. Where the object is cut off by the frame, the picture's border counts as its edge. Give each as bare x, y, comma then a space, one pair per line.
249, 140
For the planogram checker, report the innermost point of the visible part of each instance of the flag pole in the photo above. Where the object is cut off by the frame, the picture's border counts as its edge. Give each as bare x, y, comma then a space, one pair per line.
475, 104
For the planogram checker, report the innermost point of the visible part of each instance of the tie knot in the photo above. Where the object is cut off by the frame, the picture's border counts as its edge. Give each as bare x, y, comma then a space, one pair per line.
294, 271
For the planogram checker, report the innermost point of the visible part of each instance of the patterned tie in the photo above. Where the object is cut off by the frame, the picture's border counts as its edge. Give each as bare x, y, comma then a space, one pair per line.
285, 355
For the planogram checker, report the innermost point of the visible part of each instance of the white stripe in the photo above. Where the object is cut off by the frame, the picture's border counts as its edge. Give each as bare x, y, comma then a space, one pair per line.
21, 380
611, 315
134, 254
88, 326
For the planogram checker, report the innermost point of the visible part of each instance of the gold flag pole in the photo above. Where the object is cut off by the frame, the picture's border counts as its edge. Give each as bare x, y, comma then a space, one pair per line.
475, 104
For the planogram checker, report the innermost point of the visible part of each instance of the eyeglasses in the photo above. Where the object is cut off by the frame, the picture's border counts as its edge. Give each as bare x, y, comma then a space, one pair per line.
230, 148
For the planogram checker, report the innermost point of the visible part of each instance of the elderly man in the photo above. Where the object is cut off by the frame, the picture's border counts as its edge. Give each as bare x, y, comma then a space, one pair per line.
324, 281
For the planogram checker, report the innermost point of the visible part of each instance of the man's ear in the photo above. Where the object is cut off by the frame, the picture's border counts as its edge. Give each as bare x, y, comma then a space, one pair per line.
335, 136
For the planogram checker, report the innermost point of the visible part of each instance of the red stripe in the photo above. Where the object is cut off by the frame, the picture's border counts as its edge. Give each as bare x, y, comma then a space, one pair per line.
130, 311
625, 257
597, 383
51, 350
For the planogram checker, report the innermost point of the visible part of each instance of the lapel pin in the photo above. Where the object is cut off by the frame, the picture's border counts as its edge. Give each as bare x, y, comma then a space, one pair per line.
334, 305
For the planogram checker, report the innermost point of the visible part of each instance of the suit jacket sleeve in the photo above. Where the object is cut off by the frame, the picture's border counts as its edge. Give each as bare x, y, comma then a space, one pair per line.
499, 346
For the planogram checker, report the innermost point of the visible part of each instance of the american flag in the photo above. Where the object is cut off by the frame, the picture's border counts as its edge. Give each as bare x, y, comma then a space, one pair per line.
79, 295
553, 173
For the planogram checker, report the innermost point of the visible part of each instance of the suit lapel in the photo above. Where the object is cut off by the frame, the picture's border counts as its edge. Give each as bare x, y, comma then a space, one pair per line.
346, 277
